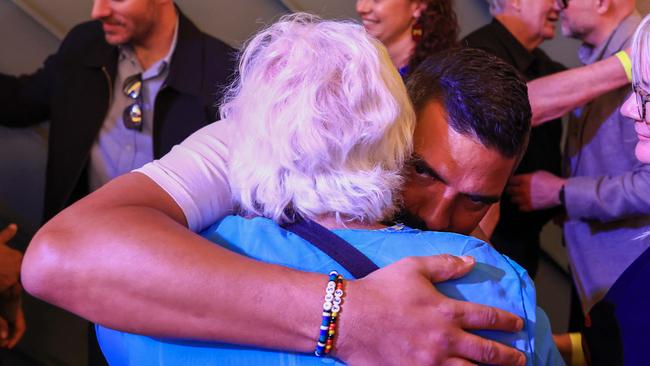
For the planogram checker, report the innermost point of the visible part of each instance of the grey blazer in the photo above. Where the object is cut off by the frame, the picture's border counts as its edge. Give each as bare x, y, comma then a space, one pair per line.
608, 192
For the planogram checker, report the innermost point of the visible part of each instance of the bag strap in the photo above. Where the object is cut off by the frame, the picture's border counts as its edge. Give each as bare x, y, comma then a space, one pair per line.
355, 262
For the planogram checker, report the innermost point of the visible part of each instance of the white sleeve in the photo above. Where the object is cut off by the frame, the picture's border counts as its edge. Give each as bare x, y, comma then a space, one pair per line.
194, 174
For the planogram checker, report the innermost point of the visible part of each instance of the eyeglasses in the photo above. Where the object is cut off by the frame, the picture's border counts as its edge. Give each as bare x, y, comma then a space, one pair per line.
562, 4
642, 97
132, 115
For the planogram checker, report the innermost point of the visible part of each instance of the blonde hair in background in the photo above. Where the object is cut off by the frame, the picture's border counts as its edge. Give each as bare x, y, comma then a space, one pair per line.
641, 54
324, 121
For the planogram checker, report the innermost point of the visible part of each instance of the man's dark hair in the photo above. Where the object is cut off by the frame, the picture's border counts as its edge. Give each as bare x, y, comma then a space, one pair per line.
484, 97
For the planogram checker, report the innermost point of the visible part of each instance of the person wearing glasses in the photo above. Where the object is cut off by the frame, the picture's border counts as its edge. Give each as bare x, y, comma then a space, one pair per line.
411, 30
604, 188
618, 332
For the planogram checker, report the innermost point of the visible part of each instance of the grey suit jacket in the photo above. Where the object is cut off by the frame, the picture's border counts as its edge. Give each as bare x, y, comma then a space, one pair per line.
608, 192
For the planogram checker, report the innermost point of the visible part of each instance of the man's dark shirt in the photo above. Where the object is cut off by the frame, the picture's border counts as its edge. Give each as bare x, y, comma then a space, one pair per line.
517, 233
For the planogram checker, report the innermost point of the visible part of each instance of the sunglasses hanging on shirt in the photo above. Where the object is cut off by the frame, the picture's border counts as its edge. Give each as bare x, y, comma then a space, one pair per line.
132, 115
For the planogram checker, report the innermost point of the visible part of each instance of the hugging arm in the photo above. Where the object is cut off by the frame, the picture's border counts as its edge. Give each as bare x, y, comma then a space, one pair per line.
123, 257
555, 95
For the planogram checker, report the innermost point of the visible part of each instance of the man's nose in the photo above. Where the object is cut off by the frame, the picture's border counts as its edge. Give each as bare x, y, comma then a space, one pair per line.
100, 10
439, 218
363, 6
630, 109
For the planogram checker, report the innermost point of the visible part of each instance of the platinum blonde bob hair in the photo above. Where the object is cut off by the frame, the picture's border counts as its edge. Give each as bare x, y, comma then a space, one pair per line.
641, 54
324, 122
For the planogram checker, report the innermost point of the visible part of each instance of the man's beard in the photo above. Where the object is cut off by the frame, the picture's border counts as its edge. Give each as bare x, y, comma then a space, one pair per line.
410, 220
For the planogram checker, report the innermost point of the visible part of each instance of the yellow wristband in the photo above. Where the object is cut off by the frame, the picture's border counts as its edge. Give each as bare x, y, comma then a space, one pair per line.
577, 354
626, 63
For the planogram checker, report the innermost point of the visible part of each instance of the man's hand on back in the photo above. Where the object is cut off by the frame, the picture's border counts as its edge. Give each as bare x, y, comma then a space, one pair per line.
404, 320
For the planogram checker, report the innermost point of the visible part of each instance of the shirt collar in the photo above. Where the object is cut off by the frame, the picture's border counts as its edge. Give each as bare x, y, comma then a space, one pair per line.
520, 55
619, 39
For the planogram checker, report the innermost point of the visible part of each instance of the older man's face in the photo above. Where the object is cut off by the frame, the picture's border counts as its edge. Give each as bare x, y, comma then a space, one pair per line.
579, 19
540, 17
454, 178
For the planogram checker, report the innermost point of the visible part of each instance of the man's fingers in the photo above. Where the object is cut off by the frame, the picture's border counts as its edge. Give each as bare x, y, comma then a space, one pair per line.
7, 233
515, 194
4, 332
518, 180
525, 208
444, 267
484, 351
12, 293
519, 200
476, 316
19, 330
520, 197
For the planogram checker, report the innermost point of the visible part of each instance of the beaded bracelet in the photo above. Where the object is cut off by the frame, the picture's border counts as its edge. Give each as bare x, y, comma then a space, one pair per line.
331, 308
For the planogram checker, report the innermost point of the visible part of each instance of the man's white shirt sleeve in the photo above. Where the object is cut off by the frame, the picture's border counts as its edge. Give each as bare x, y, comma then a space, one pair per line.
194, 174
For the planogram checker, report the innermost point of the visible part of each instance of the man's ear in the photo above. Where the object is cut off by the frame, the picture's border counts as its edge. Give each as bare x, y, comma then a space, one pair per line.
603, 6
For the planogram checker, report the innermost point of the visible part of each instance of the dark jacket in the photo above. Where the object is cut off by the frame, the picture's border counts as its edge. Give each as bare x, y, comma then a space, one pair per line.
73, 90
543, 151
517, 233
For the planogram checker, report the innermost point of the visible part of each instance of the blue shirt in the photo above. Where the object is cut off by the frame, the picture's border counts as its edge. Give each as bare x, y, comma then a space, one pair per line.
495, 281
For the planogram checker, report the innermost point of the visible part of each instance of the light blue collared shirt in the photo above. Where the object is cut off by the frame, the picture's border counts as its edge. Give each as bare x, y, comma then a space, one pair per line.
495, 280
117, 149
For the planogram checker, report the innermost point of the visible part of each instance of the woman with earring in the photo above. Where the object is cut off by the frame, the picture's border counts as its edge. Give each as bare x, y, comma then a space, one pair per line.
411, 30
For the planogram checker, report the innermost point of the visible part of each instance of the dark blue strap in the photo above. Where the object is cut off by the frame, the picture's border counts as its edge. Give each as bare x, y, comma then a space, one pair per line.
355, 262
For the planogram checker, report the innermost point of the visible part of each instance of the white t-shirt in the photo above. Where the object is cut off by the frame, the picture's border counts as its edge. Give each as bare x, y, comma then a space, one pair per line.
194, 174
